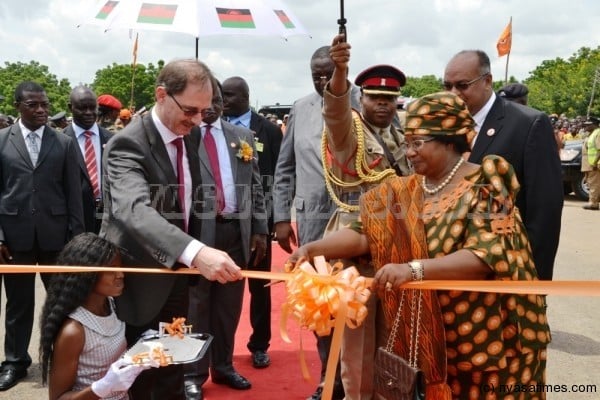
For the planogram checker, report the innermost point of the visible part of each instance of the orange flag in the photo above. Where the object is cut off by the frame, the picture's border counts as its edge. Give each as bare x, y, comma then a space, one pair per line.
505, 40
135, 47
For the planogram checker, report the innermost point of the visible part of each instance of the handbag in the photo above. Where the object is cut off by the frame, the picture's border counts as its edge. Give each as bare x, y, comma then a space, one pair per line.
395, 377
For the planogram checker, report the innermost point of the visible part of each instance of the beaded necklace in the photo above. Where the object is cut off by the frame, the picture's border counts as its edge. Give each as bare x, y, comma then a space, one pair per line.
445, 182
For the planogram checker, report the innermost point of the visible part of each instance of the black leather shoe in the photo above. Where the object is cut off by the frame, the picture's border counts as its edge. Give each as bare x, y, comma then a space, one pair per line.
233, 380
260, 359
10, 377
338, 392
193, 391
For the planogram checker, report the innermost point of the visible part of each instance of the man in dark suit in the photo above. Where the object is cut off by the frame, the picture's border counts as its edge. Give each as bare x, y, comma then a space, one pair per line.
525, 138
235, 222
267, 140
91, 139
152, 211
40, 210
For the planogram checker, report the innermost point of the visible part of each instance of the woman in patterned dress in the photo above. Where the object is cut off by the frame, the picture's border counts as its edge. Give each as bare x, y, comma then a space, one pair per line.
452, 220
81, 337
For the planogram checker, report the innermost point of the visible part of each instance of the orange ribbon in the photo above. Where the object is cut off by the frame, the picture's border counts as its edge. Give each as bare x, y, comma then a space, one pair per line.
558, 288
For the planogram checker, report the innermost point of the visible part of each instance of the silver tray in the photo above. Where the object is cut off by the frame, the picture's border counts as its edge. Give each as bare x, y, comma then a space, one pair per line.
191, 348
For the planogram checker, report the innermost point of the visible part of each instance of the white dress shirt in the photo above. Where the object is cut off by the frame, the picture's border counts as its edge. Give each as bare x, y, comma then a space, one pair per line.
167, 136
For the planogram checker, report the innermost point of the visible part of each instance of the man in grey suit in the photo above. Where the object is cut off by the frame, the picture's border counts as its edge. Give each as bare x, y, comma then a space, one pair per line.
40, 210
153, 212
234, 221
301, 184
86, 132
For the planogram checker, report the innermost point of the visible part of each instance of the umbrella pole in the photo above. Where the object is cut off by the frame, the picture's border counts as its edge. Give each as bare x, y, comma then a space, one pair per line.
196, 48
342, 21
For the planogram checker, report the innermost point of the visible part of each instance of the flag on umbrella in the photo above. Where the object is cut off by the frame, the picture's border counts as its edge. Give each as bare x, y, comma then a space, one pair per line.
106, 9
285, 20
505, 41
235, 18
157, 13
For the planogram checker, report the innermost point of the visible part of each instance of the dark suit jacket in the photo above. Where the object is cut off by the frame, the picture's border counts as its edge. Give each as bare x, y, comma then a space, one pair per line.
142, 215
525, 138
42, 202
270, 136
249, 195
92, 223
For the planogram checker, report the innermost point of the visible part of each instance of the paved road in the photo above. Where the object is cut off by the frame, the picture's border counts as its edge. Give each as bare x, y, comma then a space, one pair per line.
574, 354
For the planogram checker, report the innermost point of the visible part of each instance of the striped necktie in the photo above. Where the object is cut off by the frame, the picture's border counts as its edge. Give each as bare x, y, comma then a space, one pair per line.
90, 163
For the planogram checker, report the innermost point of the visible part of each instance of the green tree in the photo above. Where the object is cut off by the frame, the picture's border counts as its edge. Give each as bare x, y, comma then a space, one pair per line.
417, 87
565, 86
14, 73
116, 80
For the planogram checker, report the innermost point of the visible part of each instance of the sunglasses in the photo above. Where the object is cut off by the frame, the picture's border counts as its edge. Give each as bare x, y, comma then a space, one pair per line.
463, 85
187, 111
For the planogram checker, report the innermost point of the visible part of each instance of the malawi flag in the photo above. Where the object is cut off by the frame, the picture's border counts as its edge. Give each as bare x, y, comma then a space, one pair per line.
107, 9
285, 20
235, 18
162, 14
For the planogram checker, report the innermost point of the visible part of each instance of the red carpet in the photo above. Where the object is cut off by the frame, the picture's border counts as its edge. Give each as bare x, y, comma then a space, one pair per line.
283, 378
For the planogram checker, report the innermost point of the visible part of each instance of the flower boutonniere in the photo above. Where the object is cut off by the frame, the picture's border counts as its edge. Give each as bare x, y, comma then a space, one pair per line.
245, 153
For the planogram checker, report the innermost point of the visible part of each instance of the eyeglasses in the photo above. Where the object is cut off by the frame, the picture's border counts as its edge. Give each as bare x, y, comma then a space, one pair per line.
34, 105
462, 86
187, 111
416, 144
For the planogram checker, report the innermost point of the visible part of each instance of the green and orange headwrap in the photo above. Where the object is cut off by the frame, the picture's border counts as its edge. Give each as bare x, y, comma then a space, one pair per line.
442, 113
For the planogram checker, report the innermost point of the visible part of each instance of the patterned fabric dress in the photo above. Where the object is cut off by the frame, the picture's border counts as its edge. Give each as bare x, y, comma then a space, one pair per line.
104, 344
491, 339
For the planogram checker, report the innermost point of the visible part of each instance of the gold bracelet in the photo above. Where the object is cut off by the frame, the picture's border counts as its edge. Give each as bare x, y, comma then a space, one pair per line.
416, 269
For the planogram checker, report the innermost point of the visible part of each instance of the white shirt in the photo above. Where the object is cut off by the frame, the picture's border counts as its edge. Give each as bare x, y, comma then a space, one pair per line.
479, 118
79, 134
216, 129
167, 136
25, 131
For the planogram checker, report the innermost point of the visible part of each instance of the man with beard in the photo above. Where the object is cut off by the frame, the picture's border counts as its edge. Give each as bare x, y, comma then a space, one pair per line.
40, 211
91, 139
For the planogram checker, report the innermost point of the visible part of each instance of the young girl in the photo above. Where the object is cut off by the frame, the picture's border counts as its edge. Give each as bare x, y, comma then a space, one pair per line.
81, 337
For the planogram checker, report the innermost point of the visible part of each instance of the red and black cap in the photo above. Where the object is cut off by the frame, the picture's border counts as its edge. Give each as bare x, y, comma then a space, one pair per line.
381, 79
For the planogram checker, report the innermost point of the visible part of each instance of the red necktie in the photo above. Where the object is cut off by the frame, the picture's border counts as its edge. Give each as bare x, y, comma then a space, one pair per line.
90, 163
181, 180
213, 157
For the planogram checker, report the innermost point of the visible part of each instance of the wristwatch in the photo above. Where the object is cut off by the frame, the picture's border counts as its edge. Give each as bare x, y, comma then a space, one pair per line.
417, 270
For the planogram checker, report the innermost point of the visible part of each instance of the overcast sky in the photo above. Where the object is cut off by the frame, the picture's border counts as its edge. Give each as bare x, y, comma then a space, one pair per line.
417, 36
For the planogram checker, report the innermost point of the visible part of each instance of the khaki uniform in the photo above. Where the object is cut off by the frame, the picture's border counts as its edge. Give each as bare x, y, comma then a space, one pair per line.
591, 170
359, 345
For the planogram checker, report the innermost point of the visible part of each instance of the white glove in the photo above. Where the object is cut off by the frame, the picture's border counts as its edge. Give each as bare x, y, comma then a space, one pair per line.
119, 378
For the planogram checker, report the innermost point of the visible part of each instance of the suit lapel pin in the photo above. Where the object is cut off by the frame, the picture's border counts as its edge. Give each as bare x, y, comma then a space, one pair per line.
491, 132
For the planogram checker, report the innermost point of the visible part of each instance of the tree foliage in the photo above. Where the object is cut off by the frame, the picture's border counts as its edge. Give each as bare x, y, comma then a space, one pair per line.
14, 73
417, 87
116, 80
565, 86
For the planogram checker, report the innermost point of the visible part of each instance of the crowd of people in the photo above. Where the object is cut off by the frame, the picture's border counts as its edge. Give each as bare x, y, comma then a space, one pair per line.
465, 184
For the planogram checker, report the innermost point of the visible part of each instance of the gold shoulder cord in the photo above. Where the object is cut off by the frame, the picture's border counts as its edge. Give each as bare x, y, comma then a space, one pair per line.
365, 174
